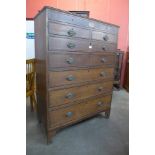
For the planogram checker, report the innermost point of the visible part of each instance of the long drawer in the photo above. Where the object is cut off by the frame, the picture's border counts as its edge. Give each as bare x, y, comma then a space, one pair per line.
63, 60
64, 96
83, 22
66, 30
77, 111
56, 43
58, 78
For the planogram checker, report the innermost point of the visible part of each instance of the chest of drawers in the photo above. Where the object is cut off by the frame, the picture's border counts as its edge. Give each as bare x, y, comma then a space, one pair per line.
75, 67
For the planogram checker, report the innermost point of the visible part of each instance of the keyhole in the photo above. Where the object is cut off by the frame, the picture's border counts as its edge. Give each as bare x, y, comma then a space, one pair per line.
90, 46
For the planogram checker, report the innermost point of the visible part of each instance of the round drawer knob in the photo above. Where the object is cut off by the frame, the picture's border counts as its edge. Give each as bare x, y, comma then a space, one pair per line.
103, 48
105, 38
100, 103
69, 114
71, 45
71, 33
70, 78
70, 95
70, 60
103, 74
103, 60
100, 88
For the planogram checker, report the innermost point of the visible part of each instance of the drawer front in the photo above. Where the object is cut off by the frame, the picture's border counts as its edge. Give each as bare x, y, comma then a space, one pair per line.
63, 60
112, 29
79, 45
101, 46
58, 78
67, 18
110, 38
98, 104
102, 59
77, 111
66, 30
64, 96
103, 27
68, 44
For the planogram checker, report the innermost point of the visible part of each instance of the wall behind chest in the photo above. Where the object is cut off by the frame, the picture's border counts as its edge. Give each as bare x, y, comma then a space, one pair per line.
30, 41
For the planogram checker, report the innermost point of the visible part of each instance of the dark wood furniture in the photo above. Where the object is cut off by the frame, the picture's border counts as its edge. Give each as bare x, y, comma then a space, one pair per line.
126, 76
81, 13
118, 69
75, 67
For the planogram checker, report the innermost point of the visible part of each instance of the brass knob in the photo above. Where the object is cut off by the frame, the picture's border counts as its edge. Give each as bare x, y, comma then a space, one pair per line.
105, 38
100, 103
70, 78
100, 88
71, 33
71, 45
70, 60
70, 95
103, 60
103, 48
69, 114
103, 74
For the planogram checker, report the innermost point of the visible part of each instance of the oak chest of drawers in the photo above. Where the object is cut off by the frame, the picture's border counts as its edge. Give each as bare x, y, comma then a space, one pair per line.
75, 67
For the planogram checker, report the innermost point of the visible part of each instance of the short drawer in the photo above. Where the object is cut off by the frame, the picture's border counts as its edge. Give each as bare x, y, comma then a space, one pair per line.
112, 29
66, 30
63, 60
102, 59
59, 78
101, 46
67, 18
65, 96
73, 113
106, 37
103, 27
68, 44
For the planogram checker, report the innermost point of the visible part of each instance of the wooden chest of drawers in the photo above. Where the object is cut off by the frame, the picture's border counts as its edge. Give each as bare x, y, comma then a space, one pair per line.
75, 67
